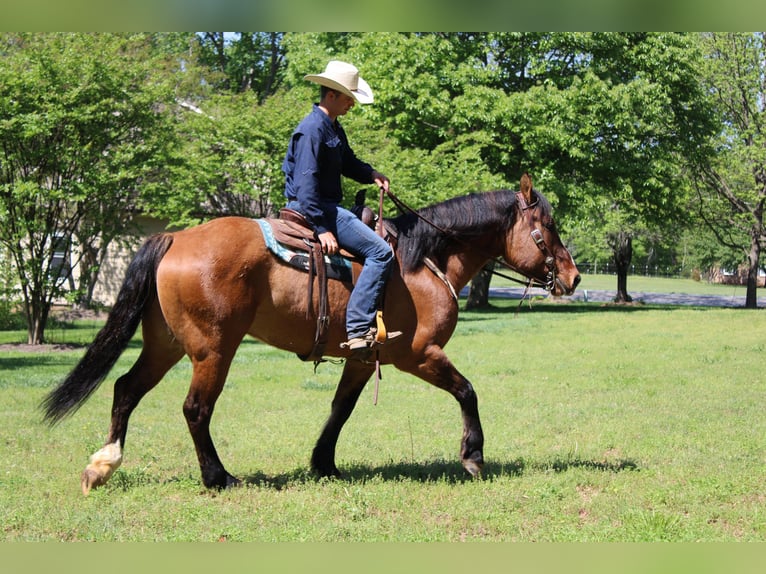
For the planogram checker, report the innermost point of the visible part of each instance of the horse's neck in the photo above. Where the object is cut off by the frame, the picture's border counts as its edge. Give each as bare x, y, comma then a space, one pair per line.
462, 267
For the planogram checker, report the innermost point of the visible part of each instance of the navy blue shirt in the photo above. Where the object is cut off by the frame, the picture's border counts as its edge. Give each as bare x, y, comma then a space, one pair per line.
317, 156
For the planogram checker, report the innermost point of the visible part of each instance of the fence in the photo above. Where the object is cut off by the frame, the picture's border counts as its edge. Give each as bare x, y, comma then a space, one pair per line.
609, 268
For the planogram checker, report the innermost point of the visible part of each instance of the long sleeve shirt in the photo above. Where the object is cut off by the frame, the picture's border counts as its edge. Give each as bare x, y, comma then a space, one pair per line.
317, 155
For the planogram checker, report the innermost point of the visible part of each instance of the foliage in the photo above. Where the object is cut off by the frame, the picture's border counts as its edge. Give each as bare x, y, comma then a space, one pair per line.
9, 296
247, 61
732, 184
608, 124
629, 120
230, 163
80, 132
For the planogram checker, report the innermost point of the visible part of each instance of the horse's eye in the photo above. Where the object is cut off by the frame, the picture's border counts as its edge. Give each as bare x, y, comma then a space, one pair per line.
549, 224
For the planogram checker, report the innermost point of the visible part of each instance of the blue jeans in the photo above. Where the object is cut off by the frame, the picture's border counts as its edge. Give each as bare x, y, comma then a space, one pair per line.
355, 237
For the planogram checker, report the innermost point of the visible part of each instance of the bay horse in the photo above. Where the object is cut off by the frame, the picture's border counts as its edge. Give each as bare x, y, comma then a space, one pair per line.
199, 291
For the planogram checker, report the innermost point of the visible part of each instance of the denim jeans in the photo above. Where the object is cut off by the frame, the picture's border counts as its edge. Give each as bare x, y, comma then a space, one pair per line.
355, 237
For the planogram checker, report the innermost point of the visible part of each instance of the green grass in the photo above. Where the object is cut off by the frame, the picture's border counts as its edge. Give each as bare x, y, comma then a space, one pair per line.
601, 423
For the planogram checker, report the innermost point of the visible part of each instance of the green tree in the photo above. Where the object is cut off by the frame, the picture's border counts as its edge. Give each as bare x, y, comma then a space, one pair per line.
607, 121
231, 160
601, 120
614, 133
83, 133
731, 183
247, 61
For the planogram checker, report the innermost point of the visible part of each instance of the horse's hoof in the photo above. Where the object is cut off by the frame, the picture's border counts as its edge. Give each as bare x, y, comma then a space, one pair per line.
102, 465
225, 483
327, 472
474, 468
232, 481
91, 479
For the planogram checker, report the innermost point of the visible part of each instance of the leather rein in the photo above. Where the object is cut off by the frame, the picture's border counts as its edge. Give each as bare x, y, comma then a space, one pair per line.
537, 237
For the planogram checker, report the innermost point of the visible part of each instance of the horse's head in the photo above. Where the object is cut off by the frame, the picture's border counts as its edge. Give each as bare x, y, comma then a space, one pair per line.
534, 248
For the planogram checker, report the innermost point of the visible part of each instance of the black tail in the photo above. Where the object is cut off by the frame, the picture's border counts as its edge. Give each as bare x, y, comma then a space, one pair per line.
113, 338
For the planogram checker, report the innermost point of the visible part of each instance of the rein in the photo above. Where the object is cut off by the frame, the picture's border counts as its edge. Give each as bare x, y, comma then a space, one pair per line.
537, 237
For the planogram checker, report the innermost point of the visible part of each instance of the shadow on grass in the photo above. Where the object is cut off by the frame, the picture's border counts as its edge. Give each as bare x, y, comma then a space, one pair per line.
438, 471
48, 354
429, 472
33, 360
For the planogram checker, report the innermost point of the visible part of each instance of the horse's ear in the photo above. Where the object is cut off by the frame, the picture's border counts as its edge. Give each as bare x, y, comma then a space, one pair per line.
526, 187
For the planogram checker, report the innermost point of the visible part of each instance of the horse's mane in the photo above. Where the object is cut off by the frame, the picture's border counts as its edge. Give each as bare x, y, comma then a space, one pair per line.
459, 219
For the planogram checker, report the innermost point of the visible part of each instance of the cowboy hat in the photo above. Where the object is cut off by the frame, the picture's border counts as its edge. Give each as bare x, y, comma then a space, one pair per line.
344, 78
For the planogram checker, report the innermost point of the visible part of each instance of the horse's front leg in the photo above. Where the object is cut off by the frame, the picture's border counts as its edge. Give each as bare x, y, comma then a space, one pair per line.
472, 445
354, 378
438, 370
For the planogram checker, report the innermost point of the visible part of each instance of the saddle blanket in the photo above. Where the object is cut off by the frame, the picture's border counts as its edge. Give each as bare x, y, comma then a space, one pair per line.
338, 267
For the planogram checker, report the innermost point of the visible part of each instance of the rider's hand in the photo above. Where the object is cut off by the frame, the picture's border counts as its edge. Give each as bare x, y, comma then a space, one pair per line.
380, 179
328, 242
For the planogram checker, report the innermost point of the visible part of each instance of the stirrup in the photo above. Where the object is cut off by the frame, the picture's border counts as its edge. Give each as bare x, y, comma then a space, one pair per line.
368, 340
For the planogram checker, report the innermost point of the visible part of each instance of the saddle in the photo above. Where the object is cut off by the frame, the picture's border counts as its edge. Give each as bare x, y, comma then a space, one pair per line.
293, 230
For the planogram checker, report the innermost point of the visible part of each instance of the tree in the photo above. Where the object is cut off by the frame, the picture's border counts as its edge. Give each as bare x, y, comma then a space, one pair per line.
605, 120
619, 132
703, 254
82, 131
731, 184
247, 61
601, 120
231, 160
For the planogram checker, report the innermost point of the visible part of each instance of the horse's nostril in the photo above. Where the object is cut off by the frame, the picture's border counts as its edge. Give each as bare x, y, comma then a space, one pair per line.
576, 282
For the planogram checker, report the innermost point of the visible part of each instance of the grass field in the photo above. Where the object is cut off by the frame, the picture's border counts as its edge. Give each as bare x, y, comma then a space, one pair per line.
602, 424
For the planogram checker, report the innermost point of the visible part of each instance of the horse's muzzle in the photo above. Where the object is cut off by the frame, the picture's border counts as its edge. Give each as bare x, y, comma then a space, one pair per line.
560, 288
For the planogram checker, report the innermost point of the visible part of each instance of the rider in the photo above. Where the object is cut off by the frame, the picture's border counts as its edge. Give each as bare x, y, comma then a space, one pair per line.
317, 155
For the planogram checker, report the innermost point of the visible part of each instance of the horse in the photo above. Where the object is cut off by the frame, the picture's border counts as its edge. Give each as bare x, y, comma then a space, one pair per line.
199, 291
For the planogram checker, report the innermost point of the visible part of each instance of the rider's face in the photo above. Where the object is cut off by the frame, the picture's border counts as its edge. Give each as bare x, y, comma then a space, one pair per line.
338, 103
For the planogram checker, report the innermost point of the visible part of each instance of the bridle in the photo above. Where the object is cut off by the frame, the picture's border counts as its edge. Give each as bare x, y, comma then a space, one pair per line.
537, 236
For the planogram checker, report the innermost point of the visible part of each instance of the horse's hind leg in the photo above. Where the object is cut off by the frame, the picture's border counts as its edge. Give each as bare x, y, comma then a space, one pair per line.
158, 355
208, 378
354, 378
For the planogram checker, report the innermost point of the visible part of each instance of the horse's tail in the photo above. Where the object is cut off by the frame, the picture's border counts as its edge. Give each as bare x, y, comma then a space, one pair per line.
113, 338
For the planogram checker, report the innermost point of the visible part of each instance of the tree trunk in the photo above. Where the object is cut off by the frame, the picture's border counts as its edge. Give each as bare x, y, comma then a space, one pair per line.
88, 276
478, 294
753, 259
623, 255
37, 319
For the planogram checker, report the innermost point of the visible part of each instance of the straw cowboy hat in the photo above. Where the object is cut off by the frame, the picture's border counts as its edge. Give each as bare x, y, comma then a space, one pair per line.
344, 78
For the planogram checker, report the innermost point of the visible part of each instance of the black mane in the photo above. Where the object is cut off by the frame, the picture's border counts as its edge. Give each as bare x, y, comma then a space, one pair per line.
458, 219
